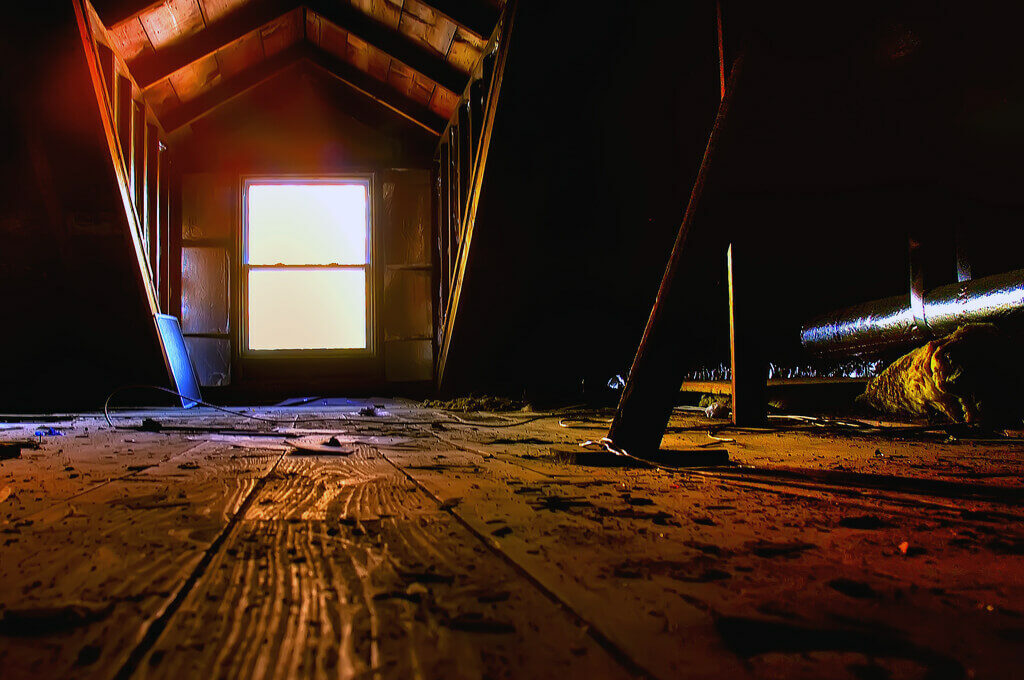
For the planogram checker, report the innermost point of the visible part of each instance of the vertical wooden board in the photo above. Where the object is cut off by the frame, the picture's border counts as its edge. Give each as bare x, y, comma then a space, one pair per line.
426, 26
107, 71
387, 12
443, 102
139, 174
172, 21
170, 236
408, 304
196, 78
444, 232
406, 217
161, 97
465, 50
207, 206
124, 121
281, 34
152, 201
130, 40
211, 359
215, 10
205, 281
408, 360
239, 55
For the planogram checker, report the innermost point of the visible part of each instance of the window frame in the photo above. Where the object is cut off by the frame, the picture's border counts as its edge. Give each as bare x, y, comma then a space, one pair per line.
370, 268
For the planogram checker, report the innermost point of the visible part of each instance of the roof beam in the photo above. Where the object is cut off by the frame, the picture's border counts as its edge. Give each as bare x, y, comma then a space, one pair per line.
475, 15
205, 103
151, 69
341, 71
115, 11
157, 66
377, 91
427, 62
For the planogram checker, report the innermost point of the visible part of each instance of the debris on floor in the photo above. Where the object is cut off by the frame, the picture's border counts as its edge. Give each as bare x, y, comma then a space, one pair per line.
475, 403
388, 547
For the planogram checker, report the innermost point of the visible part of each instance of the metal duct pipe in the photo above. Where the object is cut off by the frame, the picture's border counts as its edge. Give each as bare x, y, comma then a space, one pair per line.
889, 324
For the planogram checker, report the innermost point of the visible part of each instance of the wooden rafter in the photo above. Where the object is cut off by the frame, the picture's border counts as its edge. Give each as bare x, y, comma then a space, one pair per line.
113, 12
427, 62
473, 15
240, 84
377, 91
338, 69
153, 67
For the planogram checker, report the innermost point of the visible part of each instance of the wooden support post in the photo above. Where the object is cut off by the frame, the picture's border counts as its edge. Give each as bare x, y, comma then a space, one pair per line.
749, 367
658, 367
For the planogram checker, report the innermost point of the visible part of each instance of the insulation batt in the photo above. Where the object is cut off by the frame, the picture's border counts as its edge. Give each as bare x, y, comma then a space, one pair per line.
970, 376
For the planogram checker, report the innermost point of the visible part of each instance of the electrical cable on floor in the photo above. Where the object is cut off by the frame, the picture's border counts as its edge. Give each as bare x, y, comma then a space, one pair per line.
606, 443
558, 413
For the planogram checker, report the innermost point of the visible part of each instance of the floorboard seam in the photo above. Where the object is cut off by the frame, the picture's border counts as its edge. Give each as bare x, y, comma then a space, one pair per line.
158, 625
96, 487
620, 655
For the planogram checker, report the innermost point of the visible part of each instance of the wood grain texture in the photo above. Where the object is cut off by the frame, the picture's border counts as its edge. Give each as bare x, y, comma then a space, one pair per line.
344, 568
90, 568
448, 548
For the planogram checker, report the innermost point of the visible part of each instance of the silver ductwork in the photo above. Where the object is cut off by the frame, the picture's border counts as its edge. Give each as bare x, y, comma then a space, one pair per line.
890, 324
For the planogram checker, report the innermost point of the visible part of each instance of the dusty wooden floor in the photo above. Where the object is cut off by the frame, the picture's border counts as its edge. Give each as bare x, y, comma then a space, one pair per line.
441, 550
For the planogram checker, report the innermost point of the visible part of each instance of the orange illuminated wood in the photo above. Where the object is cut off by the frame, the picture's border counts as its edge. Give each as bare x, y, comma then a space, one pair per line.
119, 134
501, 41
152, 202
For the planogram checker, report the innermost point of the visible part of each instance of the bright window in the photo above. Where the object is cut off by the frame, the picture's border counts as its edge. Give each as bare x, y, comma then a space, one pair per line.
307, 265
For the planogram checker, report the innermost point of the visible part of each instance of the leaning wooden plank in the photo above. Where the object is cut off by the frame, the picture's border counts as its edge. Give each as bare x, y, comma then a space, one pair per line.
658, 367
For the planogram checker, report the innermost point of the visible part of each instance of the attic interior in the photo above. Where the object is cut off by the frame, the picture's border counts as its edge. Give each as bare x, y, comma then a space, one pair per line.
510, 338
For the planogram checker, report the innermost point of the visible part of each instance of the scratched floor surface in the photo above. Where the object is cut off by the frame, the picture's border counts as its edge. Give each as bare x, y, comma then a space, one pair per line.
429, 545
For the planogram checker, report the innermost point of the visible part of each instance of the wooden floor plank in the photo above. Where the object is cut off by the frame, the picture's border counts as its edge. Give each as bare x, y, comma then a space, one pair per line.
644, 555
456, 546
344, 568
91, 571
